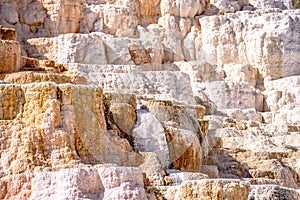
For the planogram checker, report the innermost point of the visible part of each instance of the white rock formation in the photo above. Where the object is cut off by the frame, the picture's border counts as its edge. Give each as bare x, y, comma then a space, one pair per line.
157, 99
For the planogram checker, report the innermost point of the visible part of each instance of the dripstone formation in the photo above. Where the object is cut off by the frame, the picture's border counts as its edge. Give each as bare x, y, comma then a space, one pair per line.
150, 99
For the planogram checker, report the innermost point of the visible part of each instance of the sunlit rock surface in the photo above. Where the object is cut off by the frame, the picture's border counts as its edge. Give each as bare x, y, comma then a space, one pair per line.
158, 99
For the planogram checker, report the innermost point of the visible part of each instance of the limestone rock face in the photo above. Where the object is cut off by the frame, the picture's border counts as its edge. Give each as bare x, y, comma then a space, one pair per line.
282, 4
16, 186
149, 11
177, 178
52, 119
177, 138
69, 183
31, 77
283, 100
9, 51
241, 73
224, 96
120, 112
156, 83
153, 169
182, 8
241, 34
103, 182
150, 136
204, 189
225, 6
272, 191
157, 99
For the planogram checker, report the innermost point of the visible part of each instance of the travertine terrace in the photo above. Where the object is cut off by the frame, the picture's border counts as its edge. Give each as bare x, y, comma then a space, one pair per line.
150, 99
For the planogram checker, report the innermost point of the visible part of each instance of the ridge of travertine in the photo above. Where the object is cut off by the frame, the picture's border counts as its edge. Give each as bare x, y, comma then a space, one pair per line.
150, 99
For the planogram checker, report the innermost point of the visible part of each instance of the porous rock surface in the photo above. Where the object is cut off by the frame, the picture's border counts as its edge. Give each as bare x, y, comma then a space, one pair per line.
157, 99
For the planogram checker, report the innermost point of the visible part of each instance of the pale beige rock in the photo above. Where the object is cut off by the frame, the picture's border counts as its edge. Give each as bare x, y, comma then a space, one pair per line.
64, 16
173, 51
203, 189
66, 184
233, 95
11, 101
139, 54
42, 48
95, 48
10, 56
16, 186
117, 50
283, 175
31, 77
241, 73
266, 141
245, 114
183, 134
51, 18
82, 126
182, 8
51, 125
151, 40
153, 170
241, 33
149, 136
164, 85
241, 68
226, 6
189, 43
119, 20
282, 116
214, 189
177, 142
259, 192
103, 182
261, 181
80, 48
94, 183
33, 14
127, 183
120, 112
281, 100
185, 149
201, 71
211, 170
283, 93
262, 154
282, 4
177, 178
179, 25
215, 121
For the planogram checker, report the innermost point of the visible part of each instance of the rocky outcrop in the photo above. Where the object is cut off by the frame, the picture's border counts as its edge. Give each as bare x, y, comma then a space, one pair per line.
169, 99
282, 4
242, 35
272, 191
76, 183
203, 189
54, 129
10, 53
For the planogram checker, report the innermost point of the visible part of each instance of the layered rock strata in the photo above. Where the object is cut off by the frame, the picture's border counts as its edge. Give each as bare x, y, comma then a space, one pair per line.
150, 99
